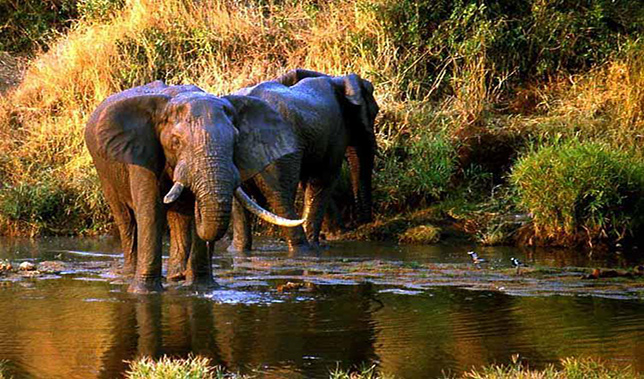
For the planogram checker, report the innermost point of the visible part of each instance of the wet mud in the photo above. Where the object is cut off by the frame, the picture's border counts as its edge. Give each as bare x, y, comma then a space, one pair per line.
309, 274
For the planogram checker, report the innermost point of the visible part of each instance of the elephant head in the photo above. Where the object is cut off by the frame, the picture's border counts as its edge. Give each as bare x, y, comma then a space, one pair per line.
360, 111
205, 143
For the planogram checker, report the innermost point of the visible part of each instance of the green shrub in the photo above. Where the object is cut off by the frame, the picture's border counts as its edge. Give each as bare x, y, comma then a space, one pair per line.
585, 190
27, 24
418, 168
98, 9
53, 206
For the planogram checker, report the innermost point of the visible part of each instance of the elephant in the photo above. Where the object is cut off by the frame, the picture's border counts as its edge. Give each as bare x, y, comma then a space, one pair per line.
332, 117
157, 139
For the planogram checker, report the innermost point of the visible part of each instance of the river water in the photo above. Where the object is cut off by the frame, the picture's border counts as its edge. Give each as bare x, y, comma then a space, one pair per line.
416, 312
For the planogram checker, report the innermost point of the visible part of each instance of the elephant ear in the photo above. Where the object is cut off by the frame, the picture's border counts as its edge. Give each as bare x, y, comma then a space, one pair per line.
123, 128
359, 93
292, 77
264, 136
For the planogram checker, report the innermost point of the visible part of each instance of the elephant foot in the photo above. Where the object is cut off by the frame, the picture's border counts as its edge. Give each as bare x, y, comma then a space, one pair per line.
126, 270
239, 248
301, 249
176, 277
201, 283
145, 286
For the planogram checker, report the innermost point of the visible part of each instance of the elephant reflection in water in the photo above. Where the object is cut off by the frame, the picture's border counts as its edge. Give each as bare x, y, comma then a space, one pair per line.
137, 331
337, 328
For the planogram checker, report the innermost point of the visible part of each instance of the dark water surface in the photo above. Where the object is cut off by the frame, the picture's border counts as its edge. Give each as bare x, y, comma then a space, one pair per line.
82, 324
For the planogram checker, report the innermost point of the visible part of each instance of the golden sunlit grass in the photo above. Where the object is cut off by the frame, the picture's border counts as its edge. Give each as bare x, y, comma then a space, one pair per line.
436, 119
220, 46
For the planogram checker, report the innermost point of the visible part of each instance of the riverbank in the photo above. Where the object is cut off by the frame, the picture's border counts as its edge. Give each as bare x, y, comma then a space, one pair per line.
496, 116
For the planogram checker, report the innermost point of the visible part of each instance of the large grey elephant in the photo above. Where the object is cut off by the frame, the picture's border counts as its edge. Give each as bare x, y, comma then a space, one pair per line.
332, 117
156, 139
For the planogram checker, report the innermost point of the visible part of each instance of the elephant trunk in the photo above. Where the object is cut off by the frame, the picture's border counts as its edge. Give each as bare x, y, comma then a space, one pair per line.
211, 217
361, 161
213, 189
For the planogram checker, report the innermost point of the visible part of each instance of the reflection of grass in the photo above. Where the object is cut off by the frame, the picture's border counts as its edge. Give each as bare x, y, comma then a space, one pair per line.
570, 368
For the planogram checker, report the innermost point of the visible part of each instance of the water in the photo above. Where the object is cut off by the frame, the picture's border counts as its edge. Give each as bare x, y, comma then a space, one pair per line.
395, 306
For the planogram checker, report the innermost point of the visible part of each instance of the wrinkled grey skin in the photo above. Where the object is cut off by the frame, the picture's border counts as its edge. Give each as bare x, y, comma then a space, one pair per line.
332, 117
144, 138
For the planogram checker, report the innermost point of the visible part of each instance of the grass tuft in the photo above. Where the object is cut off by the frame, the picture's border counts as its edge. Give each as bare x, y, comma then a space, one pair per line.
169, 368
423, 234
581, 191
571, 368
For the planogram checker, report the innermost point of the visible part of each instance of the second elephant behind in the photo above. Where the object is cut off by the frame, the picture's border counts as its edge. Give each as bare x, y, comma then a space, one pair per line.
332, 117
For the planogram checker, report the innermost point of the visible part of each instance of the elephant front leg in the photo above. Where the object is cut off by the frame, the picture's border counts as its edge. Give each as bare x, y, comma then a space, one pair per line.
316, 198
242, 235
149, 221
278, 183
180, 241
199, 272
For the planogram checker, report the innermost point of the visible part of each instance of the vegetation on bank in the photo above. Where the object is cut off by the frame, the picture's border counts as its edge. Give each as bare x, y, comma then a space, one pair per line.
569, 368
3, 370
465, 88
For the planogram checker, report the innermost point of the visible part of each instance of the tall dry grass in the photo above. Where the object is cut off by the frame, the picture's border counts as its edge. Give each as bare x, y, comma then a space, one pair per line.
220, 45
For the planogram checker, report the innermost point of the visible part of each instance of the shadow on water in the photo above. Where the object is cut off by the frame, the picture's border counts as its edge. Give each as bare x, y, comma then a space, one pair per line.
79, 324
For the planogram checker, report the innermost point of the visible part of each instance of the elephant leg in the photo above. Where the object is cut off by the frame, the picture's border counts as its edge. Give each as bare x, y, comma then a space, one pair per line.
199, 272
127, 228
180, 241
278, 183
242, 234
316, 198
150, 228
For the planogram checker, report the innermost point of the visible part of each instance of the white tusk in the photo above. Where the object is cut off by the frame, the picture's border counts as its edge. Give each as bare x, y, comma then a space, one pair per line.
262, 213
174, 193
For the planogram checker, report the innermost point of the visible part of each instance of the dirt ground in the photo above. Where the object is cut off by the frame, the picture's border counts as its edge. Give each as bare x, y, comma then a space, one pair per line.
12, 69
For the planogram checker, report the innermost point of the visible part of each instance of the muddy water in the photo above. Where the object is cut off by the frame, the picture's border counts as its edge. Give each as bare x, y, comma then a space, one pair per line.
417, 312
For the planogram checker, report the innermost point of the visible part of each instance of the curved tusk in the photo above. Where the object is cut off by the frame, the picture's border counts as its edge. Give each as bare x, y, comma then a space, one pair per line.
174, 193
262, 213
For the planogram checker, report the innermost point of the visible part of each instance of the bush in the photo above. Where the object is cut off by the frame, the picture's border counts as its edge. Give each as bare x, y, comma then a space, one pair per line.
30, 24
580, 191
418, 168
52, 206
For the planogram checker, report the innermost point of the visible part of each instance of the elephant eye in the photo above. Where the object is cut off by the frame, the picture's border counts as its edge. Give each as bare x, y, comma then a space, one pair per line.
175, 142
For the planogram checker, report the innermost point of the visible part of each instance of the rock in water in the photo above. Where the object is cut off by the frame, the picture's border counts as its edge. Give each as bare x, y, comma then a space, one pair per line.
27, 266
5, 266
